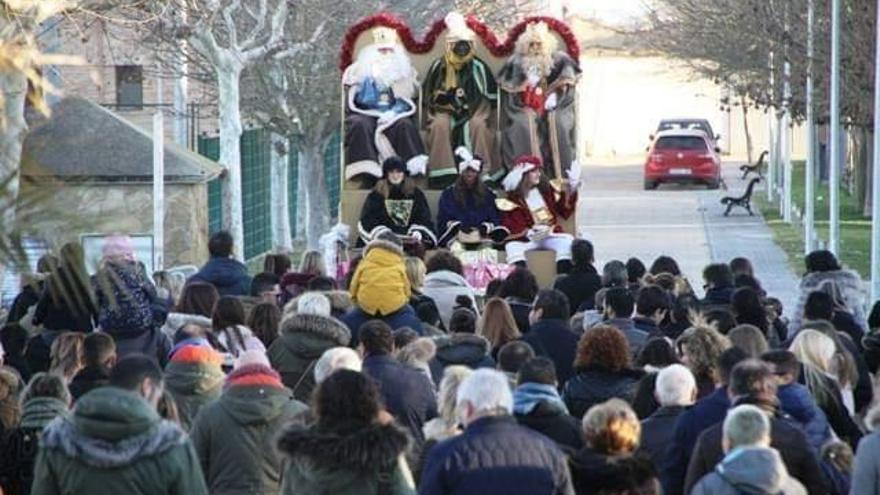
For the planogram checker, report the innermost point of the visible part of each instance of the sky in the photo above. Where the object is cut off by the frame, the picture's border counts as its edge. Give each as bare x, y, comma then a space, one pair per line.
608, 11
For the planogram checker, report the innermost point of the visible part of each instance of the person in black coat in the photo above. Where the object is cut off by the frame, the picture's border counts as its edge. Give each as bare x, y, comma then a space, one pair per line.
99, 355
490, 457
227, 274
13, 340
582, 283
519, 289
550, 334
719, 285
753, 382
675, 390
67, 303
396, 204
610, 461
537, 405
603, 371
407, 393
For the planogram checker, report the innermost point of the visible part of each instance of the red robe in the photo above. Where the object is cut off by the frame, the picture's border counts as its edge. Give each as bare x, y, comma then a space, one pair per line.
519, 218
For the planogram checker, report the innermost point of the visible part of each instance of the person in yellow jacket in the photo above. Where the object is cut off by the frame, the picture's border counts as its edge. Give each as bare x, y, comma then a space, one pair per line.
380, 288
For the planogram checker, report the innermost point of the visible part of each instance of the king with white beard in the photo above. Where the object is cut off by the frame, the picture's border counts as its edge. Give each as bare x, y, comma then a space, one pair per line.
379, 123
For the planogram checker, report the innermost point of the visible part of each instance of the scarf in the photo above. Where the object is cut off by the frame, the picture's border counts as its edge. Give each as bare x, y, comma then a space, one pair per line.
527, 396
454, 64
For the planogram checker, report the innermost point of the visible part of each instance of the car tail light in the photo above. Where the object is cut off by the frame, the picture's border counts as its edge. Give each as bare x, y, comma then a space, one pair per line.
656, 158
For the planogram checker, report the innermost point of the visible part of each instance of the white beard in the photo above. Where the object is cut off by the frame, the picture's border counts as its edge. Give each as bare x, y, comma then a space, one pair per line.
392, 70
541, 65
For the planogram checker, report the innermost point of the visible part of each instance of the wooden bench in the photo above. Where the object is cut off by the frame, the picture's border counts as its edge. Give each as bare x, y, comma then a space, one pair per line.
744, 201
747, 169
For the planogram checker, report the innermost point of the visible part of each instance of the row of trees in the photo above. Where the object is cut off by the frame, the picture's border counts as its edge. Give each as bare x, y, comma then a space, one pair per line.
744, 44
273, 62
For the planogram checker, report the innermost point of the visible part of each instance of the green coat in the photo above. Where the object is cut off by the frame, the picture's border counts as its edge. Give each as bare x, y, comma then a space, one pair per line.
193, 385
302, 341
331, 463
115, 443
234, 438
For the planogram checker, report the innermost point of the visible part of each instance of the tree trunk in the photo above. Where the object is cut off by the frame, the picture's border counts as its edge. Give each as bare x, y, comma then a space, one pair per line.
860, 164
228, 82
281, 238
749, 146
13, 85
181, 89
301, 199
317, 217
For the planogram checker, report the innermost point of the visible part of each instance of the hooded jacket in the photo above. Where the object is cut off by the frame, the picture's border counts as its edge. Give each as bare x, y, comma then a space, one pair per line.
340, 302
176, 321
443, 287
115, 442
125, 298
194, 377
302, 341
380, 286
539, 408
234, 436
228, 276
750, 470
785, 436
465, 349
345, 461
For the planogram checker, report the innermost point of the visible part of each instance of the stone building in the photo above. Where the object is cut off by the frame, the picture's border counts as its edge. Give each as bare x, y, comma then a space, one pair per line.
98, 169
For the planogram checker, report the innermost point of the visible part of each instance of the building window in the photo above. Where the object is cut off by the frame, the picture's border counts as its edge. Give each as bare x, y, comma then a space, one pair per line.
130, 86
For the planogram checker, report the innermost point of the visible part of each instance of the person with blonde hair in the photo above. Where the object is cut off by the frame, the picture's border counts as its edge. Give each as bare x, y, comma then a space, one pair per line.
67, 355
699, 348
612, 430
498, 325
446, 425
424, 305
295, 283
816, 353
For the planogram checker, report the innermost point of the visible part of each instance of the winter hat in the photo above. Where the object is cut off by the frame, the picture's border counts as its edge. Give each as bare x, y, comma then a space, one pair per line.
521, 166
197, 353
393, 163
118, 246
457, 29
252, 357
466, 160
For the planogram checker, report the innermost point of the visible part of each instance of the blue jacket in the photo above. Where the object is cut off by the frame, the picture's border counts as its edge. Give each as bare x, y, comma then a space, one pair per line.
229, 276
406, 392
795, 400
404, 317
706, 412
471, 215
555, 339
493, 456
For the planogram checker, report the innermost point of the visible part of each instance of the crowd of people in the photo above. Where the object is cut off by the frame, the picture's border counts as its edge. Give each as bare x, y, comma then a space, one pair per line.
400, 378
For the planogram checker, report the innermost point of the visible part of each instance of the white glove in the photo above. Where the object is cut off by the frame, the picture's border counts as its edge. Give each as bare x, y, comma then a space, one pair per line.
386, 117
574, 175
416, 235
551, 102
538, 233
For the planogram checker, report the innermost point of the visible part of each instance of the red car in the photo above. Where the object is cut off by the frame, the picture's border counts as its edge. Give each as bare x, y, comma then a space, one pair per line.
683, 156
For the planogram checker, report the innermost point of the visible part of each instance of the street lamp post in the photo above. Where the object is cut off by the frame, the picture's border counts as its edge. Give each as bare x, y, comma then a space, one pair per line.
875, 190
834, 173
809, 170
785, 125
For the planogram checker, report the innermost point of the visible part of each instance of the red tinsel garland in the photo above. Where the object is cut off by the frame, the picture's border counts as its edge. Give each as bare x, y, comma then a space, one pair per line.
488, 37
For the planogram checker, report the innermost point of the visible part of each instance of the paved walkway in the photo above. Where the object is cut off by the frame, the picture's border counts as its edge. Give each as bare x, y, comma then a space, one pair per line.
623, 220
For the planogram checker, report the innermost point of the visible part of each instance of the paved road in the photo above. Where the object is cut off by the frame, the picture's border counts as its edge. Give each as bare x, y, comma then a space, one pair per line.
685, 222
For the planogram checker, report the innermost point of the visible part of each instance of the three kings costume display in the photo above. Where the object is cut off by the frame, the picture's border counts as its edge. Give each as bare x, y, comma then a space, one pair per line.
380, 109
533, 210
396, 204
538, 101
459, 98
467, 213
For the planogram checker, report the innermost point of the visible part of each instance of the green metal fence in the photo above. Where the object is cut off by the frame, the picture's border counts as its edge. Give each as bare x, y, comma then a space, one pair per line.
255, 183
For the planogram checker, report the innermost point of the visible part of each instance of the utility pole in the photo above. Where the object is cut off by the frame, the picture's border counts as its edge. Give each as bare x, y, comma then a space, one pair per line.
785, 131
875, 191
771, 137
834, 173
810, 169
